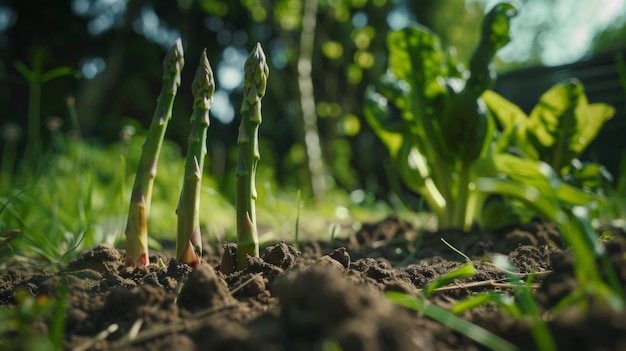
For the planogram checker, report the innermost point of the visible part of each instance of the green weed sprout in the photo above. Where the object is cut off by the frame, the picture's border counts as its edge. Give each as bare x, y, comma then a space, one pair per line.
188, 240
139, 209
255, 81
466, 270
523, 306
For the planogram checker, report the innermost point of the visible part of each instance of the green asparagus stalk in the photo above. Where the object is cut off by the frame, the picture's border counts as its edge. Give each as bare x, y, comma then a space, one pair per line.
255, 80
189, 242
137, 225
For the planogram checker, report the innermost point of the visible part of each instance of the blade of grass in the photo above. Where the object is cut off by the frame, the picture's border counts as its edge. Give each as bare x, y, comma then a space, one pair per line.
503, 301
526, 304
577, 232
466, 270
472, 331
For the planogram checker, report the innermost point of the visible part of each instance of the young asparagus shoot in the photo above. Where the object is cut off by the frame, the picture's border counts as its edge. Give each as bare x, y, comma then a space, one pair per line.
141, 195
256, 72
188, 240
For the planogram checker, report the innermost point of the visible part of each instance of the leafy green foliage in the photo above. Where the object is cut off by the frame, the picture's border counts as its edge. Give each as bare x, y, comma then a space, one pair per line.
79, 200
443, 127
548, 143
438, 127
437, 121
559, 128
57, 212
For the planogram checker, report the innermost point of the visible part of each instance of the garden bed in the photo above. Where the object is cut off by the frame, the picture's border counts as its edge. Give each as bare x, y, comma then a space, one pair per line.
324, 296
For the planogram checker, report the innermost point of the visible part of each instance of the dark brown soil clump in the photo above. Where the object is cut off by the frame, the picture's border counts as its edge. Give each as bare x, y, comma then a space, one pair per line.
321, 296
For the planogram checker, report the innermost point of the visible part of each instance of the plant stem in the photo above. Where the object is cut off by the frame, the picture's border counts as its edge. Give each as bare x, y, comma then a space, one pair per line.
459, 217
137, 226
256, 72
188, 240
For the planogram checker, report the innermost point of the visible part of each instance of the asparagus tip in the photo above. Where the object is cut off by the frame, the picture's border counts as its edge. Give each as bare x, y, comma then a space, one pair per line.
256, 71
203, 85
174, 59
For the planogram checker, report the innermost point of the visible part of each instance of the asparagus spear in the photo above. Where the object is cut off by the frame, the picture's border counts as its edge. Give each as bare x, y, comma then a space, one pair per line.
255, 80
189, 242
137, 225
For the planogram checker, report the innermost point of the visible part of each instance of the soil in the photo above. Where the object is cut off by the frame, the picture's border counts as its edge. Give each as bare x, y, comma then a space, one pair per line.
321, 296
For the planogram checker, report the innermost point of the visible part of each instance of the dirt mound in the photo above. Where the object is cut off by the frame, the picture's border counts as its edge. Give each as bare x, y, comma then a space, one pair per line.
321, 297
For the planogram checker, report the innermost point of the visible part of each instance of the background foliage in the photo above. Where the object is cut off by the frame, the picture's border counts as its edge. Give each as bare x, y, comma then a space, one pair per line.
115, 48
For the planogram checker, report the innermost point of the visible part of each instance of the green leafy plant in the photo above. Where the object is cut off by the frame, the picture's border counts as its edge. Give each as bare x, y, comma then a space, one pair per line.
255, 81
440, 129
189, 241
141, 196
444, 141
559, 128
547, 144
443, 127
